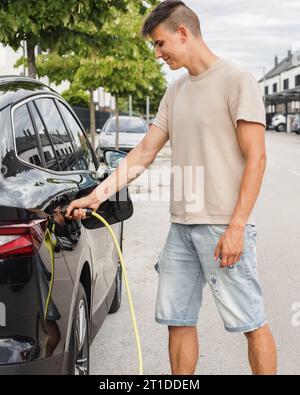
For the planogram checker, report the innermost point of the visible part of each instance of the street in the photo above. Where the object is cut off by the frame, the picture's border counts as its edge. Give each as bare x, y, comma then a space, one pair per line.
278, 217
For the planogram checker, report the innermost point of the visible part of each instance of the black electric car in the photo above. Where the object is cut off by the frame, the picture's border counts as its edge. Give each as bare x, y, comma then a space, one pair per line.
58, 278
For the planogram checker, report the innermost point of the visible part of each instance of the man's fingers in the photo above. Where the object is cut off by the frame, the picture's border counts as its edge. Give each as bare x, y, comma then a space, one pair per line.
69, 210
82, 213
75, 213
236, 258
224, 259
231, 260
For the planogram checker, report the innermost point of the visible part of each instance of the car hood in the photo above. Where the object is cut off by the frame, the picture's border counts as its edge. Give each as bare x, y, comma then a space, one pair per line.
124, 138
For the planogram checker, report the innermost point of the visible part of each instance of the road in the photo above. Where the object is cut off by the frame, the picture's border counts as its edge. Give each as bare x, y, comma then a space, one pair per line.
278, 218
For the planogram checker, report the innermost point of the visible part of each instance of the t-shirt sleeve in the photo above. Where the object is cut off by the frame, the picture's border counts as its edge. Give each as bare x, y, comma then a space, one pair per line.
245, 100
161, 119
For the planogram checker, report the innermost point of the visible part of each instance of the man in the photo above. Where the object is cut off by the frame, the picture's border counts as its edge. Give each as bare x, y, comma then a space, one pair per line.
215, 119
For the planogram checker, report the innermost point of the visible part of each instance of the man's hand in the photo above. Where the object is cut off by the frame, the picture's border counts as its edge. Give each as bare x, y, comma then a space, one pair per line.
89, 201
230, 246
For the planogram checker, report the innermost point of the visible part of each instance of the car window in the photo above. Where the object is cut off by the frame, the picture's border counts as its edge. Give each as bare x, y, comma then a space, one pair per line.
81, 145
57, 133
106, 124
127, 125
26, 140
51, 160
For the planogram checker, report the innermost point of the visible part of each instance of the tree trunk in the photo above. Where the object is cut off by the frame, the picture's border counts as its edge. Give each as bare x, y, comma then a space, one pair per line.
117, 124
92, 119
31, 59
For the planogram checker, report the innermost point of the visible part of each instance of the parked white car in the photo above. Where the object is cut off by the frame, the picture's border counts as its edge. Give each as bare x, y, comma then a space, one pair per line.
131, 131
279, 123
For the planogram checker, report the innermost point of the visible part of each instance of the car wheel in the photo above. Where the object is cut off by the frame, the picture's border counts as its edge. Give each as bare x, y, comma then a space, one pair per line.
80, 339
280, 128
116, 303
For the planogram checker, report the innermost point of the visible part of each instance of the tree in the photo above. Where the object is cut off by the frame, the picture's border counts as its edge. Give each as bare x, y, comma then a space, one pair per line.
76, 97
127, 66
63, 25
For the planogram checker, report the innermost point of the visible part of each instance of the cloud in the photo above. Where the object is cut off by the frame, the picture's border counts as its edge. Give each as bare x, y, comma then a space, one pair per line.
251, 33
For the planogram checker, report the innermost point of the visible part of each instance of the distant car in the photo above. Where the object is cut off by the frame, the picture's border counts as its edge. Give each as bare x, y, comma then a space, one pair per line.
131, 131
151, 120
279, 123
296, 124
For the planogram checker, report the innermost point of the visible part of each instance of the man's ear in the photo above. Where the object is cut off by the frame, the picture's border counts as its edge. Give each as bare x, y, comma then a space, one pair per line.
183, 32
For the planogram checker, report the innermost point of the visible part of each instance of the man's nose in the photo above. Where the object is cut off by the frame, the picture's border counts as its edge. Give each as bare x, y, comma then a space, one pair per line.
158, 53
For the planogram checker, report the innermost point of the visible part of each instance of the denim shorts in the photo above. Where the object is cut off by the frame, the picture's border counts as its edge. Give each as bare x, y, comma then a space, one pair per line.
186, 264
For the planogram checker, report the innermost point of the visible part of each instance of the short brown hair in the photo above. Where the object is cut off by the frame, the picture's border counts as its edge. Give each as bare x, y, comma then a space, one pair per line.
172, 13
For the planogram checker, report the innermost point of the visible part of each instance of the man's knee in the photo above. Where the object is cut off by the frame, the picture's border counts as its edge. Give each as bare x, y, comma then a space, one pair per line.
257, 333
182, 330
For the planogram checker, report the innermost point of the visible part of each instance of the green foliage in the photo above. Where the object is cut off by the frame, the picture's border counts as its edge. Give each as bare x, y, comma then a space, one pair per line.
126, 66
76, 97
59, 24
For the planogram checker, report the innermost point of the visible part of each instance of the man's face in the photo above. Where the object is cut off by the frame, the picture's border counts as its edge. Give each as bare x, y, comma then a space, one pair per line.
168, 46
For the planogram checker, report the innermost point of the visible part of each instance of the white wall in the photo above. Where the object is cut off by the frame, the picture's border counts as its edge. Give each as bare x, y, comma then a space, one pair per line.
8, 58
291, 74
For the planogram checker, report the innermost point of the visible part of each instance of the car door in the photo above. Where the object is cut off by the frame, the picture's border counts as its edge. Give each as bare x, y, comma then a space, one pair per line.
115, 210
71, 170
97, 237
41, 190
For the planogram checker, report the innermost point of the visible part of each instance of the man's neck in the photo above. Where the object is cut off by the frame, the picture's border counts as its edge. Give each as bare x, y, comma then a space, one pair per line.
201, 59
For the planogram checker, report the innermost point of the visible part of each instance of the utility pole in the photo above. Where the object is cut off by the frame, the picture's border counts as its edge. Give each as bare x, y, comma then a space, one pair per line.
130, 105
148, 109
263, 68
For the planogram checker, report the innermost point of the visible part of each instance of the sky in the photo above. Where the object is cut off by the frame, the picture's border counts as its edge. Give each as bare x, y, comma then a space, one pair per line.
250, 32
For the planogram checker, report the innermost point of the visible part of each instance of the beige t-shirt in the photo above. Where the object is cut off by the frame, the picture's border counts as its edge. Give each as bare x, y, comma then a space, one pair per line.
200, 115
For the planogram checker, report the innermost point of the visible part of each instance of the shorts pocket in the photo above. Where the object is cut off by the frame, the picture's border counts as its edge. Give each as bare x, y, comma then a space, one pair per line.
249, 260
251, 234
218, 230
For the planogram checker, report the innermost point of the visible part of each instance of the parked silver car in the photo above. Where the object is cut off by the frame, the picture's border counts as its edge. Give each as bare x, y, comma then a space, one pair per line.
131, 131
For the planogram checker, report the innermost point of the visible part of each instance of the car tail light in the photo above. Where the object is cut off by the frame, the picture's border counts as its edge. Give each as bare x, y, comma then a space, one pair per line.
23, 238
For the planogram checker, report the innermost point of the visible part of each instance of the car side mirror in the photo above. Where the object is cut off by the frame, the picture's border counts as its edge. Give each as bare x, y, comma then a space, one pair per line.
98, 131
113, 158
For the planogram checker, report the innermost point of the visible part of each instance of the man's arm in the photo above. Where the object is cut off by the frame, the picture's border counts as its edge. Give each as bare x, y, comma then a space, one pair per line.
251, 137
129, 169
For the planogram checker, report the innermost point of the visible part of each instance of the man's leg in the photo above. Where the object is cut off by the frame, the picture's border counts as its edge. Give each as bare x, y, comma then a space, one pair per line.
183, 349
262, 351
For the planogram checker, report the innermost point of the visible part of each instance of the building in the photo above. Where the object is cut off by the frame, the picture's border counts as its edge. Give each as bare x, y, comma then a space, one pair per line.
281, 86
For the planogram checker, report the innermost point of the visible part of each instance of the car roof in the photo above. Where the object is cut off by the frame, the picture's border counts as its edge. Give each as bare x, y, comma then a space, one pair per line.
127, 117
14, 88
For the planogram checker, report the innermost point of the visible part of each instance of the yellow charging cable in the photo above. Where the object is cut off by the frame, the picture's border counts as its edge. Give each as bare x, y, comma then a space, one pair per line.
50, 244
136, 332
